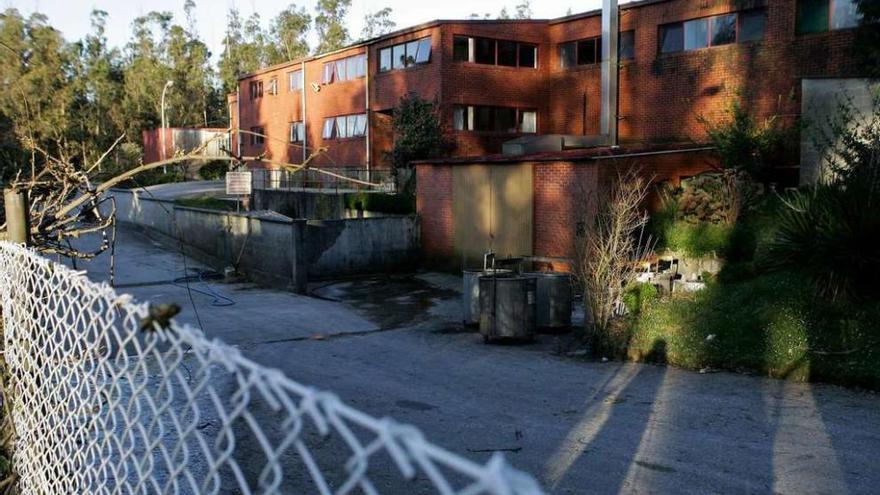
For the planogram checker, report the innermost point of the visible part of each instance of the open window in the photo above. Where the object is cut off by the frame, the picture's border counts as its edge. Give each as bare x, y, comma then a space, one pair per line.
405, 55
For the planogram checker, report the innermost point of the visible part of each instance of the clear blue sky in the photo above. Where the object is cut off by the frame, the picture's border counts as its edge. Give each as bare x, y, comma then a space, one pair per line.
72, 16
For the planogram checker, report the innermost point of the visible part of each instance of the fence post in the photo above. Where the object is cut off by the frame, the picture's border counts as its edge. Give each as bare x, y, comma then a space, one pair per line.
17, 216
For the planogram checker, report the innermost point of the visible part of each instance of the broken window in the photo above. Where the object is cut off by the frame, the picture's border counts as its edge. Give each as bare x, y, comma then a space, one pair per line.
297, 132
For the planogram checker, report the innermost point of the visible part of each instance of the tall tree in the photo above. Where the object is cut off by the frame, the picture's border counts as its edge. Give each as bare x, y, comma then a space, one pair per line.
867, 45
330, 25
523, 10
288, 33
378, 23
243, 49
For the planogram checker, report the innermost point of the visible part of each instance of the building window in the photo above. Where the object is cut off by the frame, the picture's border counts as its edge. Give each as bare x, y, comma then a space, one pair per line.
273, 86
257, 136
345, 126
256, 89
494, 52
494, 119
404, 55
344, 69
712, 31
626, 45
297, 132
295, 80
816, 16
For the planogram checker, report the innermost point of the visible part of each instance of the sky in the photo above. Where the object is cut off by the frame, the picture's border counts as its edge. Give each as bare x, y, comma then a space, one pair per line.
71, 17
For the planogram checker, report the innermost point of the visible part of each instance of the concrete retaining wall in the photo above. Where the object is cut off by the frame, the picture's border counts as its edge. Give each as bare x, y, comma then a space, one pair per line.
277, 251
300, 204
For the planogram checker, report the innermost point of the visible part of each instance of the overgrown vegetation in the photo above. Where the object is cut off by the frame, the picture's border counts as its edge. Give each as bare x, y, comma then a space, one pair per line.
393, 204
418, 134
797, 297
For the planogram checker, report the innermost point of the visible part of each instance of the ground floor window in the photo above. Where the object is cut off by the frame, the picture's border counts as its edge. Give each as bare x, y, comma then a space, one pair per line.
494, 119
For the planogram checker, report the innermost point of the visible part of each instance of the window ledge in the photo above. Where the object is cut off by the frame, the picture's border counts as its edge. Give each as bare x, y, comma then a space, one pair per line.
494, 66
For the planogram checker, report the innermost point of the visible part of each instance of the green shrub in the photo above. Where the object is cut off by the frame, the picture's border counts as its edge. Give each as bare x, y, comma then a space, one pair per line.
772, 324
393, 204
214, 170
208, 203
639, 296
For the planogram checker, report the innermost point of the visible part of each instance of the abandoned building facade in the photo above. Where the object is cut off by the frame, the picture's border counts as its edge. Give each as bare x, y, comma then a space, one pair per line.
681, 63
500, 79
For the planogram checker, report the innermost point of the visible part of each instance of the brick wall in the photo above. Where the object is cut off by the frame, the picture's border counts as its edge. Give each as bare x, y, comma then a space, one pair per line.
661, 95
565, 194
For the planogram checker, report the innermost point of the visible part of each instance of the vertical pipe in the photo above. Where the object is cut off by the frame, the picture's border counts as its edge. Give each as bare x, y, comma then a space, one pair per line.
17, 213
367, 111
610, 30
305, 126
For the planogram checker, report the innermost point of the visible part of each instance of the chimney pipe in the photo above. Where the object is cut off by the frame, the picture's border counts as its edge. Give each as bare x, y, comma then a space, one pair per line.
610, 30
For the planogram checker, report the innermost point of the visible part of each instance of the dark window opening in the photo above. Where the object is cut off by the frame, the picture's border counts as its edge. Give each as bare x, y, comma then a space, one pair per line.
751, 26
257, 137
507, 53
724, 29
528, 56
589, 51
816, 16
626, 44
484, 51
461, 48
256, 89
672, 38
494, 119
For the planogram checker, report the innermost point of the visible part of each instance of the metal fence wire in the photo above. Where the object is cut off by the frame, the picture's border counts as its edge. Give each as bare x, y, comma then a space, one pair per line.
109, 396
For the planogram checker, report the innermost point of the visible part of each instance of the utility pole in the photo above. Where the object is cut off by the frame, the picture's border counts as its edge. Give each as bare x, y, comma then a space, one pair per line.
18, 227
162, 135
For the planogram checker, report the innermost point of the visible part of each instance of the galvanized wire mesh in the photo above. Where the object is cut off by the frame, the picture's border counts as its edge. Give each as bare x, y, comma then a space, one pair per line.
108, 396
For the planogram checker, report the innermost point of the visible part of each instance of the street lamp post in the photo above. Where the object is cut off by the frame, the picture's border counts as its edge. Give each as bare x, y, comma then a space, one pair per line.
162, 135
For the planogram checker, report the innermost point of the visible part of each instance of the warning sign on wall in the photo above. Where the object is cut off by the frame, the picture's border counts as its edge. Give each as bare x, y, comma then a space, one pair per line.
238, 183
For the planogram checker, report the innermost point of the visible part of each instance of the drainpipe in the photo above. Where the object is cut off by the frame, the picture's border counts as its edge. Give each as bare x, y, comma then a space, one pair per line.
610, 69
238, 119
305, 126
367, 111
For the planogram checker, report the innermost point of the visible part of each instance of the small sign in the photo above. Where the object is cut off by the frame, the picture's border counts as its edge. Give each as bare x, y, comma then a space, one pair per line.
238, 183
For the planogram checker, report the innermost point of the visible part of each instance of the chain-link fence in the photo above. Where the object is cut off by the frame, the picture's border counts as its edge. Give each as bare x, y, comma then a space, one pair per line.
110, 396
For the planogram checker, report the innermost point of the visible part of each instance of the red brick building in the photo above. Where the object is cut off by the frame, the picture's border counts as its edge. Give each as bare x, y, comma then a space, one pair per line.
498, 80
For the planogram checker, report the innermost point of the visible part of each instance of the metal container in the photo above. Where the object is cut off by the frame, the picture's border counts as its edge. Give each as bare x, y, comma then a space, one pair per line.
470, 294
507, 307
553, 293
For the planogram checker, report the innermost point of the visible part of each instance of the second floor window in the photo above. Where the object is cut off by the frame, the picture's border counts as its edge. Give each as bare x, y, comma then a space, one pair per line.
494, 119
297, 132
257, 136
273, 86
816, 16
494, 52
295, 80
404, 55
589, 51
256, 89
345, 69
345, 126
725, 29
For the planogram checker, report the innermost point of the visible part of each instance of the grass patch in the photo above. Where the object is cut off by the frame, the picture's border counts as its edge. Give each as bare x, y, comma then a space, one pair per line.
208, 203
392, 204
772, 324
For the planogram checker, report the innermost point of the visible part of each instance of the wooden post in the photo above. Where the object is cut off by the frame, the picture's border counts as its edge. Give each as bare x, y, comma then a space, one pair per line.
17, 216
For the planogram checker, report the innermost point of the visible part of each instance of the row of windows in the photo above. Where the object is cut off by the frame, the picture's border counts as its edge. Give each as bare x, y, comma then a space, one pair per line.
494, 52
712, 31
345, 69
405, 55
494, 119
345, 126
